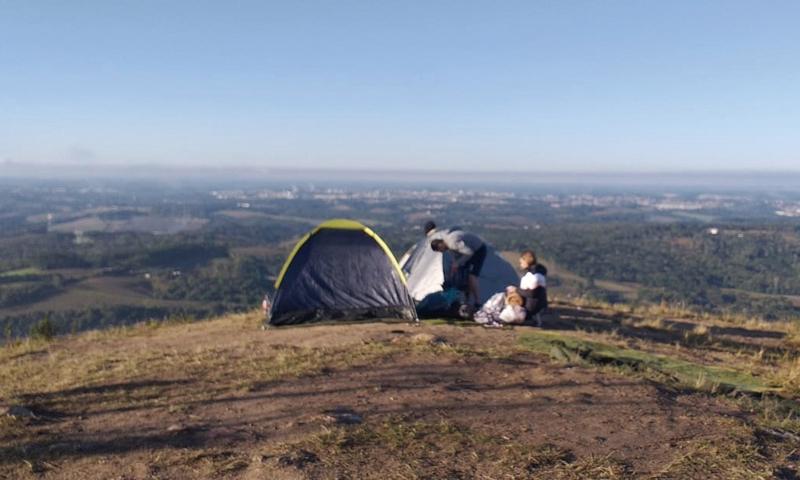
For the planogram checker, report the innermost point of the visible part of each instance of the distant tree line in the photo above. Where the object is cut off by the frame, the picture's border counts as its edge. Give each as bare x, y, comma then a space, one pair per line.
121, 251
12, 295
677, 262
242, 280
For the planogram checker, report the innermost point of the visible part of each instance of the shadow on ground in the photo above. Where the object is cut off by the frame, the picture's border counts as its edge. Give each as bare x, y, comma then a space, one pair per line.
673, 331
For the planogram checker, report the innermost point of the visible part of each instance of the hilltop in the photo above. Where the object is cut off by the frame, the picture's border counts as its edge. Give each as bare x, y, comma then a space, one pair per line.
601, 392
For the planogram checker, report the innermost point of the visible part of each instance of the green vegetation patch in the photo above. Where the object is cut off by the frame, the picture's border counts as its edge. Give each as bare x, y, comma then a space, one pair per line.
449, 321
687, 374
22, 272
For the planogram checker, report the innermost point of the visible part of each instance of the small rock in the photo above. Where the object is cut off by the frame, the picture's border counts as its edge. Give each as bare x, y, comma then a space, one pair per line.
343, 417
175, 428
428, 338
299, 459
423, 337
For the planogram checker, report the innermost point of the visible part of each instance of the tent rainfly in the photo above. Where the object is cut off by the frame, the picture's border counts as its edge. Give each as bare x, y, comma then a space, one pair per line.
341, 270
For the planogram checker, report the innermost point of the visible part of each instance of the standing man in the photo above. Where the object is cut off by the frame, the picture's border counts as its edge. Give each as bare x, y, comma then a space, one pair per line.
469, 252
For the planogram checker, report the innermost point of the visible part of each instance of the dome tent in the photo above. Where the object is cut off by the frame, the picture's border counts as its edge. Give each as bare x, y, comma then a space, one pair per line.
425, 270
341, 270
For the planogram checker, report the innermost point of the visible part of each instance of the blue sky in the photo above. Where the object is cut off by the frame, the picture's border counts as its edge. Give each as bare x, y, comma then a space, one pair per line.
496, 85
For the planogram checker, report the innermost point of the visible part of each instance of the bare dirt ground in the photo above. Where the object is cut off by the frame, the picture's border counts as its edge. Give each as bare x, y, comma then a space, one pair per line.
223, 399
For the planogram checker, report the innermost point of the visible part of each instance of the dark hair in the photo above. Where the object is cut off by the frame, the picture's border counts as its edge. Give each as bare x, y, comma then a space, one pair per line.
429, 225
436, 244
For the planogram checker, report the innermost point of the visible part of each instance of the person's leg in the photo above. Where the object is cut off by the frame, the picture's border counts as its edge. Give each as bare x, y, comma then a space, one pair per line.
460, 281
474, 289
475, 267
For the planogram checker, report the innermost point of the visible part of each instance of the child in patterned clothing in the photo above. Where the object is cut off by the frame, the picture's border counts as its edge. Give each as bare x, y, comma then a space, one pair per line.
500, 309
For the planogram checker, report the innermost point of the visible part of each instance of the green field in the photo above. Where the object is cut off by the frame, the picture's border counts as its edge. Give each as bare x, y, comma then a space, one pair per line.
22, 272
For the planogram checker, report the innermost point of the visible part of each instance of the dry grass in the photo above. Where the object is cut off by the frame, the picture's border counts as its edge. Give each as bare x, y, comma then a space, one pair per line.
40, 372
661, 311
213, 370
774, 359
786, 374
792, 338
410, 449
643, 310
698, 336
653, 323
48, 374
414, 450
775, 413
735, 456
37, 366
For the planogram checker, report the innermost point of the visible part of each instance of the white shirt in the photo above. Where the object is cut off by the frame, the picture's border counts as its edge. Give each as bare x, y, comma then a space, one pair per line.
531, 280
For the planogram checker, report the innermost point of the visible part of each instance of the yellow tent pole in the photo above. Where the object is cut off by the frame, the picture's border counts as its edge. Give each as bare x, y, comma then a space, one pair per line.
340, 224
388, 252
297, 247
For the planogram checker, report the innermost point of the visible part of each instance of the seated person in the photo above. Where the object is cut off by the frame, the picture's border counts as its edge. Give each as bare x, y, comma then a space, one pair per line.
501, 308
532, 285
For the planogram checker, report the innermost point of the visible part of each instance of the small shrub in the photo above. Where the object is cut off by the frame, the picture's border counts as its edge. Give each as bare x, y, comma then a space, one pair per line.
44, 329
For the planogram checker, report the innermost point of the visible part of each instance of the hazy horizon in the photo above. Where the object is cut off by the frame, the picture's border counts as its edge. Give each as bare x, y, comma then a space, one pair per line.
448, 86
251, 176
37, 166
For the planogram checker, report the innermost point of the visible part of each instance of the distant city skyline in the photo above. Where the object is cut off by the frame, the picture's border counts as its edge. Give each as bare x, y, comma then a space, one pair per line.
580, 86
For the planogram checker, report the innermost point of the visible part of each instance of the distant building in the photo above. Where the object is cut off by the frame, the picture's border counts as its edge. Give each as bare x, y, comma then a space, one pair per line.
81, 238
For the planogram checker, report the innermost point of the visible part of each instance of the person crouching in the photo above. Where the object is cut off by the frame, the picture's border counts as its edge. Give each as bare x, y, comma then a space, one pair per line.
469, 252
533, 286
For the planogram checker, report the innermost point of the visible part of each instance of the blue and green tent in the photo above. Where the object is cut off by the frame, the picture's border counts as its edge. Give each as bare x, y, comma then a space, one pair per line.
340, 271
